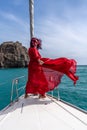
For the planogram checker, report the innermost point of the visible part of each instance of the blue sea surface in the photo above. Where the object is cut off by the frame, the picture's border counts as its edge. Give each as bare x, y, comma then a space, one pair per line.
6, 79
76, 95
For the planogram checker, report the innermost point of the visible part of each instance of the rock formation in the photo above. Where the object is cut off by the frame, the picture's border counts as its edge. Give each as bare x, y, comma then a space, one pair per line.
13, 54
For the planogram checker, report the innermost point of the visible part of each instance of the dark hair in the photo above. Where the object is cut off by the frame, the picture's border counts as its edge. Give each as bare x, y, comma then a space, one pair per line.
35, 41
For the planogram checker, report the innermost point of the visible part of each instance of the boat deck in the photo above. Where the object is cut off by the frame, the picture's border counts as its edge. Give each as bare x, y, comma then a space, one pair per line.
33, 113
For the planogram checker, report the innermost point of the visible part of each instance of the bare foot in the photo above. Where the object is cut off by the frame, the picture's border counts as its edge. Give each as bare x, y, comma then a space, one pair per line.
42, 96
26, 95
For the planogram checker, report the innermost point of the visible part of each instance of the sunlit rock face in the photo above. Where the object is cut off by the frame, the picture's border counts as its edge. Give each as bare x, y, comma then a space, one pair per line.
13, 54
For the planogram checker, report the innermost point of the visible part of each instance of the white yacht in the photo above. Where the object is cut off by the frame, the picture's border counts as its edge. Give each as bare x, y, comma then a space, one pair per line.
33, 113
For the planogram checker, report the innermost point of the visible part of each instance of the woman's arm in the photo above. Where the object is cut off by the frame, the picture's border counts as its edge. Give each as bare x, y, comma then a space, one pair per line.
40, 62
36, 56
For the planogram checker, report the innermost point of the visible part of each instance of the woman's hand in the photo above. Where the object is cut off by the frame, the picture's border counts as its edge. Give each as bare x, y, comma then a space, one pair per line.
40, 62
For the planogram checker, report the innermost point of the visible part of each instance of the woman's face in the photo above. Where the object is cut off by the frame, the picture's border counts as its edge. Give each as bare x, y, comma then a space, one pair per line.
36, 43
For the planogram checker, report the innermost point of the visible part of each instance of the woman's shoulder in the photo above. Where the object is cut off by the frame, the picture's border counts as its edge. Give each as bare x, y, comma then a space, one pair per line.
32, 49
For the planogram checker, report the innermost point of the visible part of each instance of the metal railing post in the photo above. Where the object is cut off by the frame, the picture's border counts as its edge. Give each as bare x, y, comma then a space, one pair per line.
58, 95
12, 90
16, 82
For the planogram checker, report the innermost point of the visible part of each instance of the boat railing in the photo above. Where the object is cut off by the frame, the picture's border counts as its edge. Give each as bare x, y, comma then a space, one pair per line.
52, 93
16, 84
16, 87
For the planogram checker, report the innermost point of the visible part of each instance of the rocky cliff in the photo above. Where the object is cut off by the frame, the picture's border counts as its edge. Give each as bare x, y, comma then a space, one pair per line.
13, 54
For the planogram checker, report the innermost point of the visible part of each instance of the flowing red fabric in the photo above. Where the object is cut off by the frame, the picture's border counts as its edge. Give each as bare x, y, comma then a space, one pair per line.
43, 78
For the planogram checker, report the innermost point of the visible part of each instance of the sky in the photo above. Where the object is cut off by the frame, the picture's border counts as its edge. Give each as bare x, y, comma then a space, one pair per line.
60, 24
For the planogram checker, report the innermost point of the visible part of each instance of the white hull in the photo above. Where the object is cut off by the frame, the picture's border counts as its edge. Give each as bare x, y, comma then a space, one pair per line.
42, 114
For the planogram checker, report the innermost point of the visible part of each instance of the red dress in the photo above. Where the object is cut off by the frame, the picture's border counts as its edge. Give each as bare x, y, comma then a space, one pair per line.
43, 78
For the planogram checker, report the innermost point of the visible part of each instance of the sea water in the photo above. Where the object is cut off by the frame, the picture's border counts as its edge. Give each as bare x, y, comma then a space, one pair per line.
76, 95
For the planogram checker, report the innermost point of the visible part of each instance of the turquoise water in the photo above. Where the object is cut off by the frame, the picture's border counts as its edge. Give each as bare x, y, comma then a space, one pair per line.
67, 91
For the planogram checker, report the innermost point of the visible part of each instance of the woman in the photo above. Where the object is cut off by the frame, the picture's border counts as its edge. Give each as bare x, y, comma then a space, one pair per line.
45, 74
37, 83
